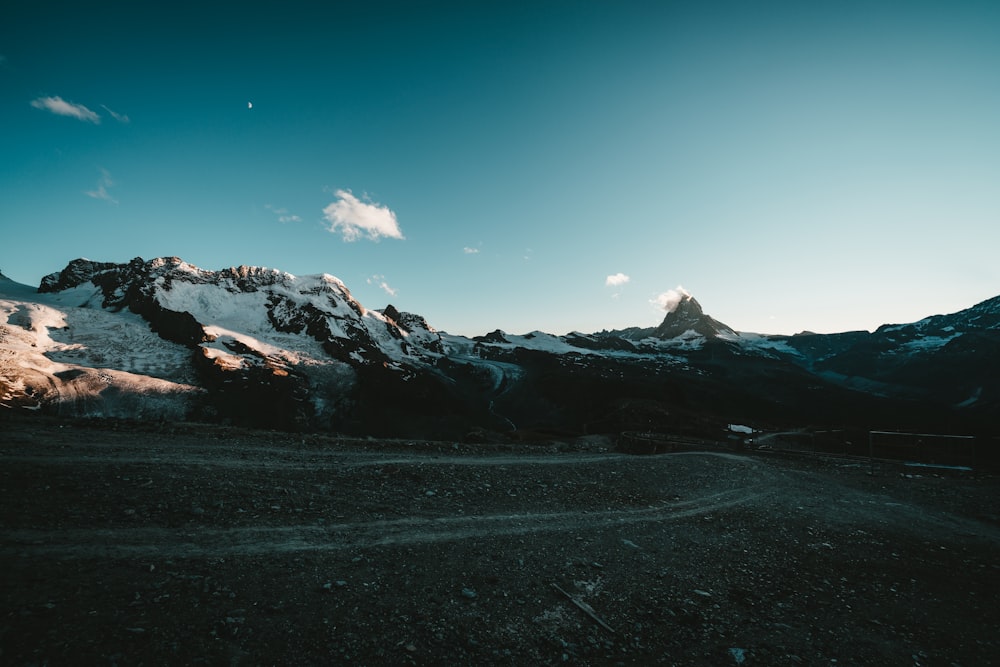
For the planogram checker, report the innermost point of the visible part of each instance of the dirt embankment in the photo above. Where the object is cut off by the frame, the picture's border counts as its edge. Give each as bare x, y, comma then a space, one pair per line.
183, 545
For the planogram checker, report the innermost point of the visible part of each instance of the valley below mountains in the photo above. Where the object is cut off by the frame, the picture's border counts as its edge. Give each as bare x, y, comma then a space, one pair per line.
248, 346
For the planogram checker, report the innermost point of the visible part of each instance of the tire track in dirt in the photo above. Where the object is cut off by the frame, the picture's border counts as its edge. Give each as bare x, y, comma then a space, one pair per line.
310, 459
194, 542
204, 541
307, 460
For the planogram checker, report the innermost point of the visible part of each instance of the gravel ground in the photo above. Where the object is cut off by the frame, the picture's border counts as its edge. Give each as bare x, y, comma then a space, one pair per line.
185, 544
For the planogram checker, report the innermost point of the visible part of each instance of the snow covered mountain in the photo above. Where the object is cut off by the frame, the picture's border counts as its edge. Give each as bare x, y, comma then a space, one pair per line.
244, 343
235, 309
162, 339
61, 353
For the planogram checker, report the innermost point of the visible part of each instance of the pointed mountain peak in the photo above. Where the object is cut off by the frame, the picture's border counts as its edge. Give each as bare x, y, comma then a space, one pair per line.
684, 314
687, 306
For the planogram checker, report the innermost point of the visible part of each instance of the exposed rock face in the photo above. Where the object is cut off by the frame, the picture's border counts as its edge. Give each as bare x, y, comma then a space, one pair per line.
76, 273
495, 336
416, 329
689, 316
265, 394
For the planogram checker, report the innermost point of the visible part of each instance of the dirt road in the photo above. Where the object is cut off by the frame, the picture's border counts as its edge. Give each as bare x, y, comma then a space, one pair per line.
183, 544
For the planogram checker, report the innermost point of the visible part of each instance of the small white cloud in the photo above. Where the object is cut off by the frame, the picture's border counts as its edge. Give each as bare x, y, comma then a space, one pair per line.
354, 218
670, 299
120, 117
470, 251
61, 107
283, 214
379, 281
102, 188
616, 280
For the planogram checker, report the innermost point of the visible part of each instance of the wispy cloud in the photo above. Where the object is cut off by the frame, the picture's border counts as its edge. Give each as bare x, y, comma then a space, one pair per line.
470, 251
379, 281
102, 188
61, 107
670, 299
283, 214
353, 218
616, 280
120, 117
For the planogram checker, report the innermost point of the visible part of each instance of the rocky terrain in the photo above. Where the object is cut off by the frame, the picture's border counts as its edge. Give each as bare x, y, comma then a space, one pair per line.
129, 543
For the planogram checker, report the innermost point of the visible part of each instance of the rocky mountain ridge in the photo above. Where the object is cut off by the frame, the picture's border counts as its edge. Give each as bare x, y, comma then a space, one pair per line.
262, 347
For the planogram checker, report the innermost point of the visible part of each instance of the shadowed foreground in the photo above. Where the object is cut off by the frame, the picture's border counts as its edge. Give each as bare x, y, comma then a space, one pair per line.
186, 544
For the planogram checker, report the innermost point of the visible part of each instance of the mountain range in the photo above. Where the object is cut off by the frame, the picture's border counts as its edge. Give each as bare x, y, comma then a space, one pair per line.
165, 340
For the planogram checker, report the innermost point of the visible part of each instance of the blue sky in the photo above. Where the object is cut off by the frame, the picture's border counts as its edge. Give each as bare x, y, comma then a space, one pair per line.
821, 166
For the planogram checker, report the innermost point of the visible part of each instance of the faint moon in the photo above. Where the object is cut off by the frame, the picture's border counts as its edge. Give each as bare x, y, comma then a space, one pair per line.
249, 105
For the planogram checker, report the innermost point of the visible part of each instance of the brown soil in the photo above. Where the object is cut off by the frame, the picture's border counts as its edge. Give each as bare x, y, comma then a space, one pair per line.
183, 544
